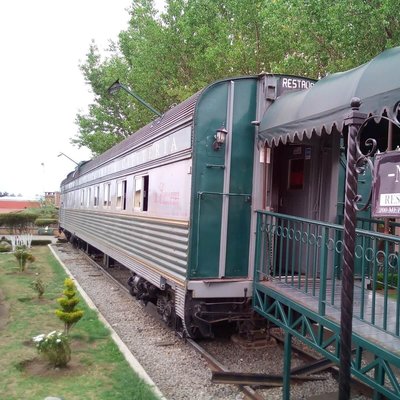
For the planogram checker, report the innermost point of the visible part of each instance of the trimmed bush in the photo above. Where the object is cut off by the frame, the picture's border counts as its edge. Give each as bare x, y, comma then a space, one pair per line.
68, 314
23, 255
40, 242
5, 246
46, 221
17, 222
55, 347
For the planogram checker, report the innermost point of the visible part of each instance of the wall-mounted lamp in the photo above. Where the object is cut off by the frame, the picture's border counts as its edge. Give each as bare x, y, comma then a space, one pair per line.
220, 137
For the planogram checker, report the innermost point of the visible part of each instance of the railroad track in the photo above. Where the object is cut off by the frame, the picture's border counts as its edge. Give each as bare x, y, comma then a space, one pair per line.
248, 384
214, 364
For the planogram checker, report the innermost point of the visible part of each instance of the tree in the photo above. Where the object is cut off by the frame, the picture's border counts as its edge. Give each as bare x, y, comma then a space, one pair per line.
68, 314
23, 255
166, 58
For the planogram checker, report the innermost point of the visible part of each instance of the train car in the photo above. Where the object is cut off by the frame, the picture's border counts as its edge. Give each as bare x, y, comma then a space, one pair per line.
173, 203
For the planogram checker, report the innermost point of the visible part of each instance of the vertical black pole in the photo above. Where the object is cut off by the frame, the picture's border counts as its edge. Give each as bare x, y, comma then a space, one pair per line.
286, 366
353, 121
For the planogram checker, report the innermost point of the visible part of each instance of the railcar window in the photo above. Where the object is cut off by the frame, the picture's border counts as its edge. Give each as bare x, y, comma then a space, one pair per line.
141, 196
82, 197
88, 197
121, 195
145, 192
137, 202
96, 196
107, 195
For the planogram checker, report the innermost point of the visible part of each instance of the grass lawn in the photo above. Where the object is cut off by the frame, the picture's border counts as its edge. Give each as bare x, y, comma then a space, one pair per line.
97, 369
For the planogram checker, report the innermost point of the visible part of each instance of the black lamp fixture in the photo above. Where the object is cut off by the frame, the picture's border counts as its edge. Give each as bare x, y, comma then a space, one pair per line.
220, 137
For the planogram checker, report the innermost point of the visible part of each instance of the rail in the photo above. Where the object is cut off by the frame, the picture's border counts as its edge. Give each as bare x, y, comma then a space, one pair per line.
307, 255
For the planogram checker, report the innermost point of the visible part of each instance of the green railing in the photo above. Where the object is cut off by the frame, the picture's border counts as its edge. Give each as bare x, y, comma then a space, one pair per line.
308, 255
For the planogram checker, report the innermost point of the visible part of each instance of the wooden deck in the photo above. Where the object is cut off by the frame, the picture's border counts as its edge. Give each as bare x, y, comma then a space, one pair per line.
370, 328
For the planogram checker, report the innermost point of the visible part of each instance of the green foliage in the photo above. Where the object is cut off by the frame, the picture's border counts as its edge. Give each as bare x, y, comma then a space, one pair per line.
106, 373
5, 246
44, 211
392, 280
23, 255
38, 286
166, 58
17, 222
54, 347
40, 242
68, 314
45, 221
48, 211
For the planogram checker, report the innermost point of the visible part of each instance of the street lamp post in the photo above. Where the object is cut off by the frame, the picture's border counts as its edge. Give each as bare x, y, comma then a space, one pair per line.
69, 158
117, 86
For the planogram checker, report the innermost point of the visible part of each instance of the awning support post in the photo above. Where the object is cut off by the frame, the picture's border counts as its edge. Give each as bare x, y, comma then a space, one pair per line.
353, 120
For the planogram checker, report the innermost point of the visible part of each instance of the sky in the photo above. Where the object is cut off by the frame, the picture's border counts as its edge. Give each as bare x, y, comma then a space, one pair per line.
42, 43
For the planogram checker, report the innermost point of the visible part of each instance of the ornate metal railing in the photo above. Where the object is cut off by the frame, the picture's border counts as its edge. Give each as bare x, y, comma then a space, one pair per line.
308, 255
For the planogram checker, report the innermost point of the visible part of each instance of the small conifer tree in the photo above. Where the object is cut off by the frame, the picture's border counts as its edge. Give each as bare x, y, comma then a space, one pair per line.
68, 314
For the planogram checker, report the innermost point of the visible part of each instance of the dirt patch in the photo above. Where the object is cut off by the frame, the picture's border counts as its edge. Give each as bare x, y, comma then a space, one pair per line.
4, 311
39, 367
41, 300
17, 271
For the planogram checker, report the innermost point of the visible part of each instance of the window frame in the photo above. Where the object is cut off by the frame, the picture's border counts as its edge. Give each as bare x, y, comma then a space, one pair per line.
96, 196
107, 195
141, 202
121, 190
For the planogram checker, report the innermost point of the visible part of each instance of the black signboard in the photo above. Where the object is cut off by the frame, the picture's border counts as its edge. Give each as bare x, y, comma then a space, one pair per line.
292, 83
386, 185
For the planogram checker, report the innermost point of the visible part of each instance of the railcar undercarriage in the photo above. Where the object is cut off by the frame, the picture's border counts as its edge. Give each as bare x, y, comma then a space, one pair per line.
203, 317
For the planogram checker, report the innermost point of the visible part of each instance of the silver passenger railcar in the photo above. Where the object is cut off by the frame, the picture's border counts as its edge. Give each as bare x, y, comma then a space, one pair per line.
173, 203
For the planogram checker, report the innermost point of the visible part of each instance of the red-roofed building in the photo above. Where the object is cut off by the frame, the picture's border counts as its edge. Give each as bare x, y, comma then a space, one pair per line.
14, 205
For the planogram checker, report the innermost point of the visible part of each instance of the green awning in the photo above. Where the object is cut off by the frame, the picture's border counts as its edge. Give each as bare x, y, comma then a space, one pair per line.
322, 108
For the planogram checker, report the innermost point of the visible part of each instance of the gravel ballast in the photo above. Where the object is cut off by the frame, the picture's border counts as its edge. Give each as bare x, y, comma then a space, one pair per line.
176, 368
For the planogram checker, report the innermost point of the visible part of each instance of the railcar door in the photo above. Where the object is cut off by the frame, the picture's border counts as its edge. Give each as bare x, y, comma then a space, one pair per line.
222, 181
305, 177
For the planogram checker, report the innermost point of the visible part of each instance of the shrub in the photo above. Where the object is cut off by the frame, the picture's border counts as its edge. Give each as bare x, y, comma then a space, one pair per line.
23, 256
40, 242
68, 314
5, 246
38, 286
55, 347
46, 221
391, 280
17, 222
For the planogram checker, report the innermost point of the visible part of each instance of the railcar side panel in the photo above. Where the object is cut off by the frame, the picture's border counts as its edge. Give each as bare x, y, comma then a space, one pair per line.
139, 219
169, 191
160, 245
